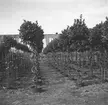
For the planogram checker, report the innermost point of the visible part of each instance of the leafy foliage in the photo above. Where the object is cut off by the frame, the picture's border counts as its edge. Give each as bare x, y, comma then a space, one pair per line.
105, 28
72, 38
32, 33
79, 37
7, 42
12, 64
85, 44
96, 36
16, 66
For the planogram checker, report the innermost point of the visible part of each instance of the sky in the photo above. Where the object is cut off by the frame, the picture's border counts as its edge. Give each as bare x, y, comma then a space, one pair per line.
52, 15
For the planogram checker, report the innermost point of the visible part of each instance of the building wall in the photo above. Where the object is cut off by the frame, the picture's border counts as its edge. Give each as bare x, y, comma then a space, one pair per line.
47, 38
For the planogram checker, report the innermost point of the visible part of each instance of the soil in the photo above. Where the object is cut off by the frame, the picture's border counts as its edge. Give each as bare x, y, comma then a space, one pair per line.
55, 90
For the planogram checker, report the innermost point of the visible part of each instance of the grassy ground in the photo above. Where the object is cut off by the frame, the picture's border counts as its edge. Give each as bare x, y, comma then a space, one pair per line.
58, 90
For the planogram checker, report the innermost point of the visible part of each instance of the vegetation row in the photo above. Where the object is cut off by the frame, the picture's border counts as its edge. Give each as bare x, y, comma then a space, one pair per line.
81, 51
20, 59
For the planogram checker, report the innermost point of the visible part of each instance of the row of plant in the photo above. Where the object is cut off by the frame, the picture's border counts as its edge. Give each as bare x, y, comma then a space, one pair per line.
81, 49
80, 38
80, 69
17, 66
23, 61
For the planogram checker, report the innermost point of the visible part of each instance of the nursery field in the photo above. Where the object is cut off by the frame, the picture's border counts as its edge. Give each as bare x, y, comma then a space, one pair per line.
57, 89
81, 66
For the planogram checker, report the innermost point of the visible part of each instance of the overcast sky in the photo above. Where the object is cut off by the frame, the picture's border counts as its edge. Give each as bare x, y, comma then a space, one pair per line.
52, 15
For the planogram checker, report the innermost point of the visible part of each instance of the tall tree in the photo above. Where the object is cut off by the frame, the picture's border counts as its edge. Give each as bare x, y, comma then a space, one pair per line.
105, 28
80, 32
32, 33
96, 36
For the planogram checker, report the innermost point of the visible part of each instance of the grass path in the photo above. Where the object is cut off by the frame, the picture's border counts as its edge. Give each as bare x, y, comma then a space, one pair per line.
59, 91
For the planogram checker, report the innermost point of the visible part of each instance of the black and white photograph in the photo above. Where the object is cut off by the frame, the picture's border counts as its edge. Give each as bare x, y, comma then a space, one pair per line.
53, 52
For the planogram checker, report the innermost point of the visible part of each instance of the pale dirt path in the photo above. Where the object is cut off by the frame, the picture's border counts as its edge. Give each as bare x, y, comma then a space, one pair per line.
59, 91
